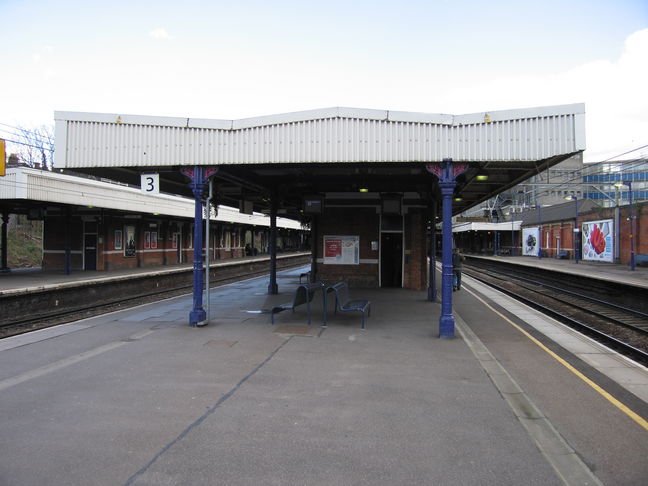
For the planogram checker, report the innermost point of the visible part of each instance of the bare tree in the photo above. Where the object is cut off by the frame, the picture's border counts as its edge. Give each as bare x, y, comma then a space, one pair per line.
37, 146
33, 147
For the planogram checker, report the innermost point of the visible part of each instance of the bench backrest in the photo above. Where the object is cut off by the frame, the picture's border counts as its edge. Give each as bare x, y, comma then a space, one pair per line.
305, 293
341, 292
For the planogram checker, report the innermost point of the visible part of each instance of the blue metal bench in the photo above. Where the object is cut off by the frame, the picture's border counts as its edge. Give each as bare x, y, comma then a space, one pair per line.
563, 254
344, 303
303, 295
641, 258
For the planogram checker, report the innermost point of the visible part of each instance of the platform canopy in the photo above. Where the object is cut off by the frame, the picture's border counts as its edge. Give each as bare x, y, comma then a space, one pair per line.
323, 152
485, 226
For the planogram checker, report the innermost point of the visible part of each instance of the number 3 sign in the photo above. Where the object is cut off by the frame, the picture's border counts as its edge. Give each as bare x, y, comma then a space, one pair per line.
151, 183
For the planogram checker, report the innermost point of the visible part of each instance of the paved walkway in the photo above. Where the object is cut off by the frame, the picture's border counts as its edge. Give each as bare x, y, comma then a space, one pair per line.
139, 398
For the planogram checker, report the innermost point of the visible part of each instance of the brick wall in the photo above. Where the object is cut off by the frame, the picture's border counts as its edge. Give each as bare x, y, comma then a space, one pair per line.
415, 275
362, 222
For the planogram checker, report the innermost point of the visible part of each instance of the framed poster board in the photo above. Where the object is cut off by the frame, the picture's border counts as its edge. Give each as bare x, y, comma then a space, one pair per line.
341, 250
118, 239
530, 241
129, 250
598, 240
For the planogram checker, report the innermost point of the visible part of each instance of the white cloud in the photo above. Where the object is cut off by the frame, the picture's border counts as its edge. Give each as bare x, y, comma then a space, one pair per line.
160, 33
612, 90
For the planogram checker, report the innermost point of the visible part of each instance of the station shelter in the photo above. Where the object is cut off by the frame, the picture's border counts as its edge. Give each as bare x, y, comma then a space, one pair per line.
585, 231
368, 183
91, 224
486, 238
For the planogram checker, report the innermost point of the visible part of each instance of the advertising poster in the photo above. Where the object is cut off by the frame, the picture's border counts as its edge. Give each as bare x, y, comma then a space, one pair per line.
598, 240
129, 250
530, 241
341, 250
118, 240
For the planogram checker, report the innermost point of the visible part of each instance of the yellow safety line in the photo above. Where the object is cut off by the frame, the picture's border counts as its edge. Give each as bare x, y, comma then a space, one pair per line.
621, 406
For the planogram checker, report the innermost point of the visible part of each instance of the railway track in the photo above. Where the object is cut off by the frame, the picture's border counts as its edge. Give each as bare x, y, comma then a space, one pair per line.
23, 324
617, 326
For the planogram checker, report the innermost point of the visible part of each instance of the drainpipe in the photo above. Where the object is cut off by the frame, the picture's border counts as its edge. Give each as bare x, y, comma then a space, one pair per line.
208, 245
432, 287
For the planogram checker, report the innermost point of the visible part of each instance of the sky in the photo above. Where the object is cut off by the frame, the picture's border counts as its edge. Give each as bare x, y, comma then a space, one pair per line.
245, 58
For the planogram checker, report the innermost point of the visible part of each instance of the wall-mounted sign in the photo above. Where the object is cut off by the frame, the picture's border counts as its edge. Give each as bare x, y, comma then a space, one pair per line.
3, 159
341, 250
313, 205
150, 183
598, 240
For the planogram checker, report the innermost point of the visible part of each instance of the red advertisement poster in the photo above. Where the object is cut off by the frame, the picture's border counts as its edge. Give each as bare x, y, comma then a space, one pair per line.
341, 250
332, 248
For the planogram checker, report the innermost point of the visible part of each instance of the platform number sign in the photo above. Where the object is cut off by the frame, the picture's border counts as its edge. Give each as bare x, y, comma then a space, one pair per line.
151, 183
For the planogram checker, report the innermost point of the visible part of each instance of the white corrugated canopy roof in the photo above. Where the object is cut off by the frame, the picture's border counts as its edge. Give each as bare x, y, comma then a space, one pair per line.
335, 135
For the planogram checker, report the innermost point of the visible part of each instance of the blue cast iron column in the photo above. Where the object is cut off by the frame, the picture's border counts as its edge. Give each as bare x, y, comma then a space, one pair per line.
447, 173
272, 246
199, 176
576, 233
540, 233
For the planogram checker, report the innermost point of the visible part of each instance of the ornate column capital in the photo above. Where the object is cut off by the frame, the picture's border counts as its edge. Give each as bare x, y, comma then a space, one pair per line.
447, 171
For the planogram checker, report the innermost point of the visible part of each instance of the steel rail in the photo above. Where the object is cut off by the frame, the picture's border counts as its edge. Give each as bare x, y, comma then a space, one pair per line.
561, 290
605, 304
624, 348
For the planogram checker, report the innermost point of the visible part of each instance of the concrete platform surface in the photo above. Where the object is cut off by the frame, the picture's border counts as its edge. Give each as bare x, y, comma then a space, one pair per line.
138, 398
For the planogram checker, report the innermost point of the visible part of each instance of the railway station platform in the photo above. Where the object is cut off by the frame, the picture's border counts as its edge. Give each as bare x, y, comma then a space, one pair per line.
20, 279
137, 397
26, 279
604, 271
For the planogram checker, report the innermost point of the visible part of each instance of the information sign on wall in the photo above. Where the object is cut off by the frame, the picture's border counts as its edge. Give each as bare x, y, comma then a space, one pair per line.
530, 241
341, 250
598, 240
